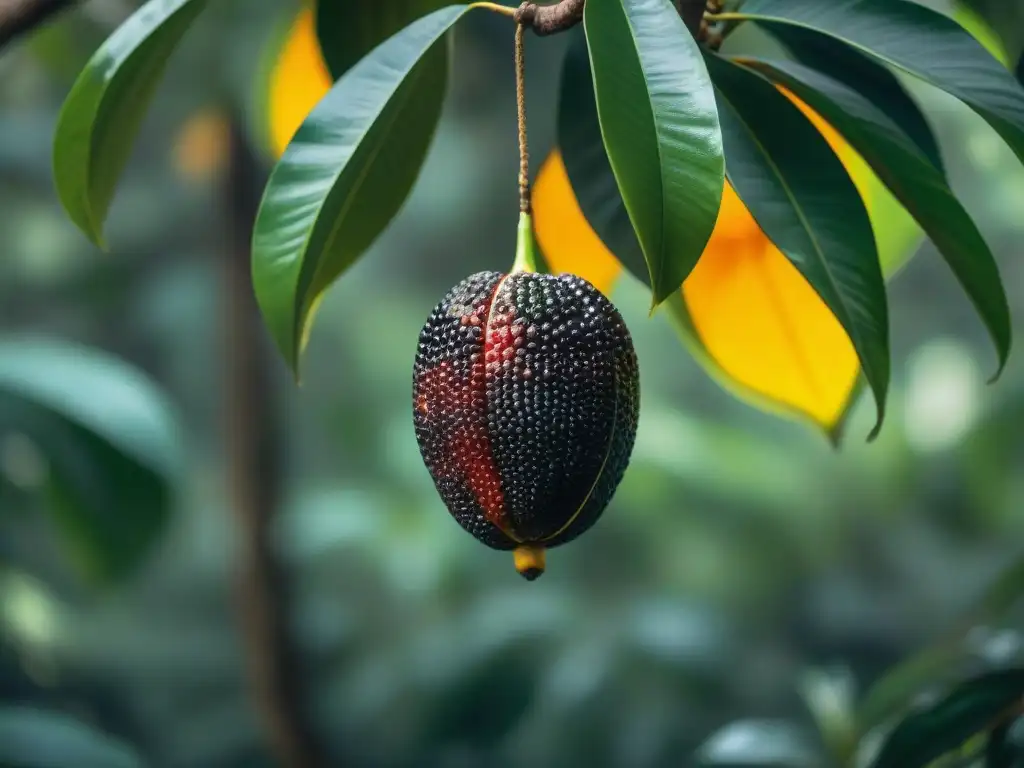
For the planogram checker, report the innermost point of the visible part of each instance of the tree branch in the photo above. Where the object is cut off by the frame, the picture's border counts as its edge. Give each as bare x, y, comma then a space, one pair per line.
566, 14
253, 449
549, 19
18, 17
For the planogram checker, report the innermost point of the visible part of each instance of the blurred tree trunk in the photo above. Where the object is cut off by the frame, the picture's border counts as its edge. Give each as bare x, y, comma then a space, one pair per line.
20, 16
253, 448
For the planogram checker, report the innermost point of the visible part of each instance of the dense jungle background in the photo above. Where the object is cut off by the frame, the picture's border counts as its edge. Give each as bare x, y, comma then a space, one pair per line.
740, 554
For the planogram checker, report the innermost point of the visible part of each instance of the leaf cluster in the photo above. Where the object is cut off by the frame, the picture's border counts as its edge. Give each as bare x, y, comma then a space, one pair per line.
652, 124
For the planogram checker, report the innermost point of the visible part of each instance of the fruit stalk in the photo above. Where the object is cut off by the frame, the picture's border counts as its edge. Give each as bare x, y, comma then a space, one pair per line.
524, 152
526, 246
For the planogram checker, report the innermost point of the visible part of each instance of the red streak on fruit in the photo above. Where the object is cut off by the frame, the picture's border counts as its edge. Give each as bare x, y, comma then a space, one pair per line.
458, 404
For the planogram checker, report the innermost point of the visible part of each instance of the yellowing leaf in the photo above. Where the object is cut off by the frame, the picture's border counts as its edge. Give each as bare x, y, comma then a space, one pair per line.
747, 313
763, 324
298, 80
761, 328
565, 238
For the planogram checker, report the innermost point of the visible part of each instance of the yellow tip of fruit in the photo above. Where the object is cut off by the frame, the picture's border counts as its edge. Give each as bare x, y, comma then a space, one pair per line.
529, 561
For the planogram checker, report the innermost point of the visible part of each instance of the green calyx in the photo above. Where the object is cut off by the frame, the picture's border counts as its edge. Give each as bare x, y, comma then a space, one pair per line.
526, 247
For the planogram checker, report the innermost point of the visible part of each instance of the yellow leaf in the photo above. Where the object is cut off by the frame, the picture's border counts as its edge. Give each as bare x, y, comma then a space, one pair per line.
748, 314
298, 80
763, 324
761, 328
760, 321
564, 235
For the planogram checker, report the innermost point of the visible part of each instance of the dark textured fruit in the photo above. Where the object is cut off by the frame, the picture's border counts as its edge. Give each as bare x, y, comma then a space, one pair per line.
525, 403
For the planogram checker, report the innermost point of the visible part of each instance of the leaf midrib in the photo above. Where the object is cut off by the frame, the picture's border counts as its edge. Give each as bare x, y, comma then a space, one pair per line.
661, 160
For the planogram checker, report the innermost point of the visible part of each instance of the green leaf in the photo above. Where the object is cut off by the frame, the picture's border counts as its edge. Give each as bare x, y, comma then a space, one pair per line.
33, 738
350, 29
981, 30
898, 687
586, 162
914, 181
873, 81
102, 113
111, 443
908, 678
973, 707
1003, 19
915, 39
660, 128
347, 173
799, 193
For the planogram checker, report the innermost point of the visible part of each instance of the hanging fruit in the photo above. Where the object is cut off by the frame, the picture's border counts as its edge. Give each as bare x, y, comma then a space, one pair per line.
526, 396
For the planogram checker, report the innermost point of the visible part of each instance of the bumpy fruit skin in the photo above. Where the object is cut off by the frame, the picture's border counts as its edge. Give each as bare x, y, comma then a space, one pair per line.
525, 405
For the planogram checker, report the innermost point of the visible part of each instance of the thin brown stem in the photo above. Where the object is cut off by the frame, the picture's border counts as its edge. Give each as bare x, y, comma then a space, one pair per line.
524, 151
18, 17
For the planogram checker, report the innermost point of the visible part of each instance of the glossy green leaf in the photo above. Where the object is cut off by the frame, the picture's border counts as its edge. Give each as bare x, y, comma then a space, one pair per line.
873, 81
350, 29
914, 181
971, 708
110, 441
586, 161
913, 38
34, 738
801, 196
346, 173
660, 128
102, 113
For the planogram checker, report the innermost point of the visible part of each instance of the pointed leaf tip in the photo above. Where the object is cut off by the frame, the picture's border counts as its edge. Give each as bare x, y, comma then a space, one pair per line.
660, 128
804, 201
346, 174
908, 173
100, 118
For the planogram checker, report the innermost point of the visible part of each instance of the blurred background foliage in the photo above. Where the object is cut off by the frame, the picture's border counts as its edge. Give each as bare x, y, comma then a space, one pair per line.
741, 559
